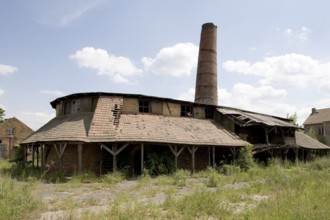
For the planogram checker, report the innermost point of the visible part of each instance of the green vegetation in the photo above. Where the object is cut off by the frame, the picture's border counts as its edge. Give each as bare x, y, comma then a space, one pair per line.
2, 115
279, 191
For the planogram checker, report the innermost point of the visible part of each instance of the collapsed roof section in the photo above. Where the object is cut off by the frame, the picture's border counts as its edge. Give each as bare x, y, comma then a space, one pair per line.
246, 118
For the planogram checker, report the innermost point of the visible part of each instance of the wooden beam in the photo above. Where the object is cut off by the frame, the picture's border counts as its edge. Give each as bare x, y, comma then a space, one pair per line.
213, 156
142, 158
32, 155
80, 149
43, 157
112, 151
60, 154
192, 150
114, 160
176, 153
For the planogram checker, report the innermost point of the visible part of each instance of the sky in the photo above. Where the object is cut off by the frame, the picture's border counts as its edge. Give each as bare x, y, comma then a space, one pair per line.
273, 56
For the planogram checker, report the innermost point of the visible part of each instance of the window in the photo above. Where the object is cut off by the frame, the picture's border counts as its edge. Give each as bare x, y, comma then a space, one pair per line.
208, 112
143, 106
186, 110
321, 131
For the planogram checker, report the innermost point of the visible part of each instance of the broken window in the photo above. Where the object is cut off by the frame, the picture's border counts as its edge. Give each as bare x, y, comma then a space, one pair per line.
144, 106
186, 110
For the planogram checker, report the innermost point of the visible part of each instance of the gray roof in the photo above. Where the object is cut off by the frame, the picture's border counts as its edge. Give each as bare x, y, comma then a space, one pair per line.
305, 141
246, 118
320, 116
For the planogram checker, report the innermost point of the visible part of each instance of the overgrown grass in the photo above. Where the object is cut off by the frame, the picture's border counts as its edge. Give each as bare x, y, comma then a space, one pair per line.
281, 190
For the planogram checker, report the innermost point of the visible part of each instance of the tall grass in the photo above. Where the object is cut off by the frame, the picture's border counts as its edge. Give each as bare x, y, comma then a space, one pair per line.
278, 191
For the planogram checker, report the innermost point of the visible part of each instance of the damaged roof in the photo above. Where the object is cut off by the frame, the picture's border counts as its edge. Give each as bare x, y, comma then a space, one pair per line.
246, 118
108, 125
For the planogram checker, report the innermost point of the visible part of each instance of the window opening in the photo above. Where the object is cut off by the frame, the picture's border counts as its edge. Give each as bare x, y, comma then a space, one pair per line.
186, 110
143, 106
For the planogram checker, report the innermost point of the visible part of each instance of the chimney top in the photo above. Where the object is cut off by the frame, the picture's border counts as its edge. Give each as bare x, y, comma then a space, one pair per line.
209, 24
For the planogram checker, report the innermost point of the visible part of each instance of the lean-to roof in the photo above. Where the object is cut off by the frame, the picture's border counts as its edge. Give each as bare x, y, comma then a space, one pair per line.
305, 141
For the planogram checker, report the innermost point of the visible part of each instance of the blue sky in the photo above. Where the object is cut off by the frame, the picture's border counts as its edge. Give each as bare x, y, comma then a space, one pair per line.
273, 56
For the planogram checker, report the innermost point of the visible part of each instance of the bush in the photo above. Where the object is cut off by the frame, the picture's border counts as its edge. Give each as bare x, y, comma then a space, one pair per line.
112, 178
245, 158
160, 164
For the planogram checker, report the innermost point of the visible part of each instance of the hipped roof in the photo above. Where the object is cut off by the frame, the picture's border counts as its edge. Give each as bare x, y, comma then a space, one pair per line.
136, 128
104, 125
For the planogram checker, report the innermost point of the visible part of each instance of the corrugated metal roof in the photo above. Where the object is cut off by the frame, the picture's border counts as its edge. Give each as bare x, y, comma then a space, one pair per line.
305, 141
249, 118
320, 116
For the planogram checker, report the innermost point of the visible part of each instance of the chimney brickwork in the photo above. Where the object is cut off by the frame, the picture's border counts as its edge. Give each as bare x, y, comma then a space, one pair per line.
207, 80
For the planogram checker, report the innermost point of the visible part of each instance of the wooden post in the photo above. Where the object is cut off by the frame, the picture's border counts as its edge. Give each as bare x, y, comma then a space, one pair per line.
114, 160
213, 156
192, 150
233, 151
43, 157
176, 154
32, 155
209, 156
60, 153
38, 156
80, 149
142, 157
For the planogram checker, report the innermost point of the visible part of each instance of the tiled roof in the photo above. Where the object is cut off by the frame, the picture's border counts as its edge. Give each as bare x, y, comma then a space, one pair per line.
320, 116
72, 127
135, 128
305, 141
247, 118
180, 130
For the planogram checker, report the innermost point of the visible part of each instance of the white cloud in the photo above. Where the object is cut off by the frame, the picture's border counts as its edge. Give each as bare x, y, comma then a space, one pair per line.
296, 35
6, 69
178, 60
291, 69
1, 92
54, 92
59, 14
35, 119
117, 68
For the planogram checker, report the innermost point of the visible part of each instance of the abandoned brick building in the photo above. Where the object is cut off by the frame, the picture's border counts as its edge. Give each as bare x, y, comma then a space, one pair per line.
101, 132
318, 124
12, 133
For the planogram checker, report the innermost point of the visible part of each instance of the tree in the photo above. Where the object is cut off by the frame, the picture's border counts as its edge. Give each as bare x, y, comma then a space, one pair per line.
2, 115
293, 118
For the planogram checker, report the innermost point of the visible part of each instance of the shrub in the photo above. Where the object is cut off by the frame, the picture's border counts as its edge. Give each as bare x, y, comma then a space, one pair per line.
245, 158
112, 178
159, 164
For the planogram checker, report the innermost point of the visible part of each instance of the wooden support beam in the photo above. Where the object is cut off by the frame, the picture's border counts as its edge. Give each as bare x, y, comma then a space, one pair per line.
142, 158
43, 157
32, 155
114, 160
213, 157
60, 152
114, 151
176, 153
192, 150
80, 149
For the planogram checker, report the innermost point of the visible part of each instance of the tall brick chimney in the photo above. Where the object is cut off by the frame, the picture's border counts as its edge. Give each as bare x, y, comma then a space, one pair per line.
207, 80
